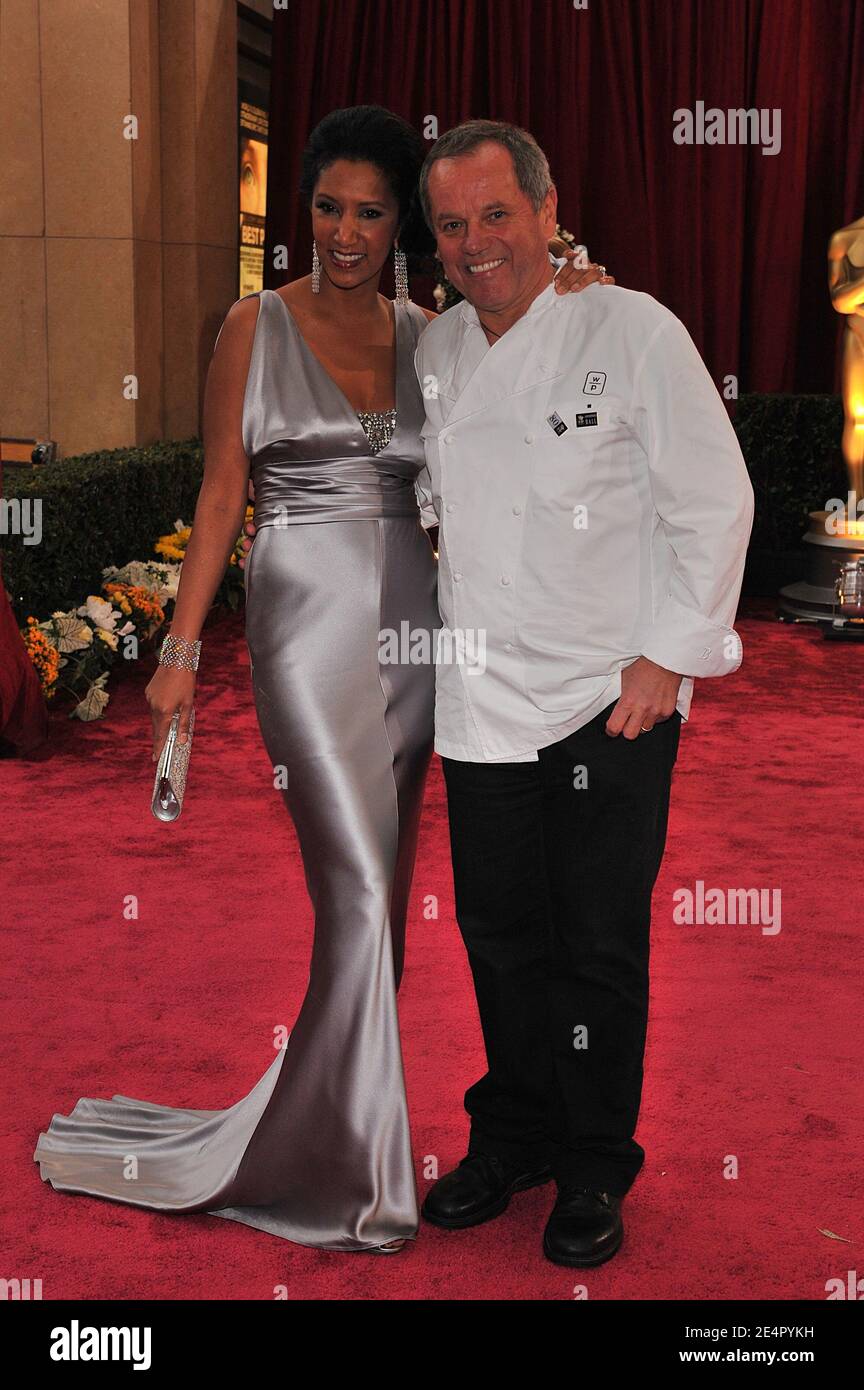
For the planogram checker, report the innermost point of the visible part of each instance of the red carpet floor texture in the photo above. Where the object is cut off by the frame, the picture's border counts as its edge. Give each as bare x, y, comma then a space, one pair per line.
754, 1044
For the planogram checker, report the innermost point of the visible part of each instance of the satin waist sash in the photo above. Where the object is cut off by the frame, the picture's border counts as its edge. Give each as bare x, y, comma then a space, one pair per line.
288, 490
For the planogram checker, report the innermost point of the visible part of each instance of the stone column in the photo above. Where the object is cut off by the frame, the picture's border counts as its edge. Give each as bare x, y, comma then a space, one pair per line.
118, 215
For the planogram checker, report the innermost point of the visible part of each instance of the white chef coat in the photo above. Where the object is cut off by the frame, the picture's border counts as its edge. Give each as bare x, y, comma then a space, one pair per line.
572, 553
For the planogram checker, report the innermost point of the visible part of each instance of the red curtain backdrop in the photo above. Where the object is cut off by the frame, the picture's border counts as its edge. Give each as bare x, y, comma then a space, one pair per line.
733, 241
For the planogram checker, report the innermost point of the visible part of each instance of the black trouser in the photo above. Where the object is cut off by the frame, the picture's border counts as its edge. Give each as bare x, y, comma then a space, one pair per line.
553, 898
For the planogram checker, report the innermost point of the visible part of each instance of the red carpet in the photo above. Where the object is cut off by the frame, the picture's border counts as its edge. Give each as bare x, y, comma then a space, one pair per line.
754, 1039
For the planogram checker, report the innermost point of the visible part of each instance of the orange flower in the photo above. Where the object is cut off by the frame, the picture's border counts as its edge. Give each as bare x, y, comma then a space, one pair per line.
134, 599
43, 654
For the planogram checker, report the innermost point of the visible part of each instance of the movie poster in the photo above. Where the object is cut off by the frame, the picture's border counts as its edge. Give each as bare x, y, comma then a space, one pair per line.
253, 196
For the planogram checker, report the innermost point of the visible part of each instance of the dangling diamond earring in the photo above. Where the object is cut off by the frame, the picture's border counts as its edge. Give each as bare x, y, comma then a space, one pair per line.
316, 270
400, 266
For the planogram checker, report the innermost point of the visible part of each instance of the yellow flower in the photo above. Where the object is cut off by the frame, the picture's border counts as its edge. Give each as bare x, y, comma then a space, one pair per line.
171, 552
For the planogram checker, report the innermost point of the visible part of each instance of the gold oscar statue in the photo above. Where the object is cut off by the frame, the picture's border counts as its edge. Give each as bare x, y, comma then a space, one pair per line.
846, 284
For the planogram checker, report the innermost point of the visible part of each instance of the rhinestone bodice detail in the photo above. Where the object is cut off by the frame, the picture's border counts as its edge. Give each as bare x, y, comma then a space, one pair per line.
378, 426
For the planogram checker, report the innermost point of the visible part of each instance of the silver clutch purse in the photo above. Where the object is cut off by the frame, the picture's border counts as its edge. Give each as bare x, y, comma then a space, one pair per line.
171, 769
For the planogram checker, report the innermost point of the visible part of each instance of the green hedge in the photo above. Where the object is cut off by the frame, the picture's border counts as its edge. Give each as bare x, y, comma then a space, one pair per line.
98, 509
792, 448
108, 508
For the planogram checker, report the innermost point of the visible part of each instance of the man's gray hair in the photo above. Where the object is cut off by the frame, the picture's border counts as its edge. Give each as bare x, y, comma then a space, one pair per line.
529, 161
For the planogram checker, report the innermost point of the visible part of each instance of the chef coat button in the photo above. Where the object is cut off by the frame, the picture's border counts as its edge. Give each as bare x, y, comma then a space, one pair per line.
529, 439
448, 439
449, 507
508, 646
457, 575
505, 579
517, 511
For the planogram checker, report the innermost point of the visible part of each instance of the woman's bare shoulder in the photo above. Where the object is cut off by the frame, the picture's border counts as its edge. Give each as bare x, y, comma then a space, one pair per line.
244, 308
238, 326
297, 293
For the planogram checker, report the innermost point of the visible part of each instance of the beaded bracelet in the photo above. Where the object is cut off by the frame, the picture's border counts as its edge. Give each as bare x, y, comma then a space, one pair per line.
177, 651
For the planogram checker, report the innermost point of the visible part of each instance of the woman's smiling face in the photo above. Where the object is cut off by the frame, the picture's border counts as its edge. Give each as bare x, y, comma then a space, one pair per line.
355, 217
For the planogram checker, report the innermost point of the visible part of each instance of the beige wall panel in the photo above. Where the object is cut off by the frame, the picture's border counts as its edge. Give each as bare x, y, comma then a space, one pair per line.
118, 257
148, 338
85, 98
146, 151
90, 342
22, 208
23, 351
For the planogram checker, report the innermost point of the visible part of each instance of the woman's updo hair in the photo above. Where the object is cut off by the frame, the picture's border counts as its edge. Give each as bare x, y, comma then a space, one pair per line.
373, 135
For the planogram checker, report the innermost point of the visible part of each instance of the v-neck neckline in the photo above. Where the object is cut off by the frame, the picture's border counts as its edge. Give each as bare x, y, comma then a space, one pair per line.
337, 389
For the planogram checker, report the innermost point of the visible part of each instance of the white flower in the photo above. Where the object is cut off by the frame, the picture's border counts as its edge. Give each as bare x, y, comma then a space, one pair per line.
171, 583
100, 612
161, 577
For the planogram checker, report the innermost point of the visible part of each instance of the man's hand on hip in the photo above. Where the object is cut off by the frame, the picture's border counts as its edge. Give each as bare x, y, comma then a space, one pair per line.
648, 696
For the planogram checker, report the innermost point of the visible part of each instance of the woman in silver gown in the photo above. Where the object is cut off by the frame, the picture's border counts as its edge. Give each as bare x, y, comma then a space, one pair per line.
319, 1150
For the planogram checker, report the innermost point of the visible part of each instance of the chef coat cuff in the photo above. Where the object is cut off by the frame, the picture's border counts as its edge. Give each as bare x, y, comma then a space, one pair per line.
685, 641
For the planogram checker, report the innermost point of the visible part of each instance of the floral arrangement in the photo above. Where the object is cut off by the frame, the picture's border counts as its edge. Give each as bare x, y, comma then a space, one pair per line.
75, 649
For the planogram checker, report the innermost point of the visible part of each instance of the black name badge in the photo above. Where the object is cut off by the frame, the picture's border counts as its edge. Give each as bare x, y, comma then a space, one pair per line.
588, 417
556, 422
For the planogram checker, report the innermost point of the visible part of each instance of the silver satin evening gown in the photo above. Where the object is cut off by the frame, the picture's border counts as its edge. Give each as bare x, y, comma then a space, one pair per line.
319, 1150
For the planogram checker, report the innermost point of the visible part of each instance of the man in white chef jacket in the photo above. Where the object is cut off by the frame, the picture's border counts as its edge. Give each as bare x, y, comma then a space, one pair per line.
594, 512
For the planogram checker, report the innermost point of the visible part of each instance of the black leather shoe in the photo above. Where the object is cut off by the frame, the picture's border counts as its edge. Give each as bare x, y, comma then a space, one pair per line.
480, 1188
585, 1227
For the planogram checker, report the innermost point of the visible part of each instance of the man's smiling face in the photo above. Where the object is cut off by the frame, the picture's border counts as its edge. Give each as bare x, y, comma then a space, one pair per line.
493, 244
